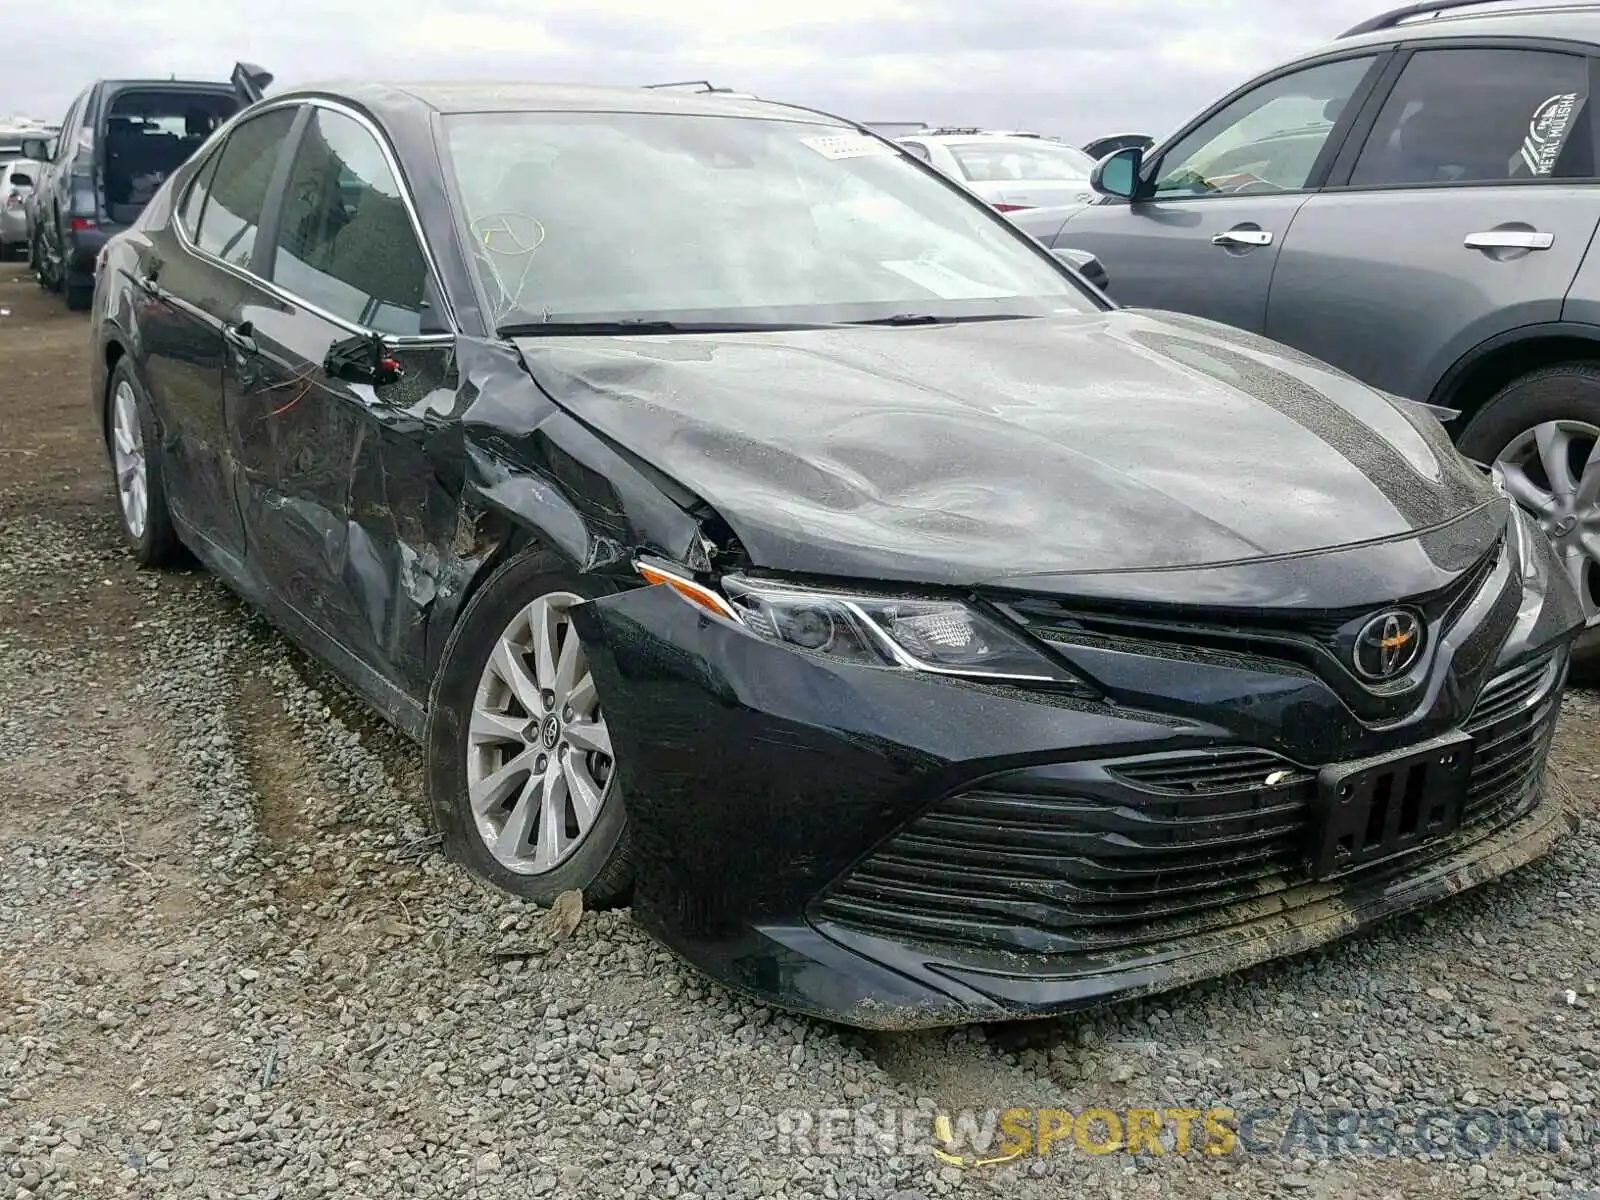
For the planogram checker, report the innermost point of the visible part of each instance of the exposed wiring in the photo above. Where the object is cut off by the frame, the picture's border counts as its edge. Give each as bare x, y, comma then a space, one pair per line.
305, 381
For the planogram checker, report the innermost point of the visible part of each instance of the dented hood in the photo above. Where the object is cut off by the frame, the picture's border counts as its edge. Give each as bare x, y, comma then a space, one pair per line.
979, 452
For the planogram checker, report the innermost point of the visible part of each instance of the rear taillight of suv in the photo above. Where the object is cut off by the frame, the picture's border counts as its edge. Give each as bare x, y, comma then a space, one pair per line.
13, 199
79, 224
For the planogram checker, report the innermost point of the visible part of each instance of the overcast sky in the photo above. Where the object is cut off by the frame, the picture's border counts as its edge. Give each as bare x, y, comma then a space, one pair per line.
1076, 68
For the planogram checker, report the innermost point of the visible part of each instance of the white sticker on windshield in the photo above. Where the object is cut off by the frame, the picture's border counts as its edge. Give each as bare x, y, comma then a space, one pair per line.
1547, 132
848, 145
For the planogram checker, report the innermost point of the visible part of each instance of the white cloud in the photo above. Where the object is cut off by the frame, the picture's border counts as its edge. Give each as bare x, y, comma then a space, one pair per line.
1072, 67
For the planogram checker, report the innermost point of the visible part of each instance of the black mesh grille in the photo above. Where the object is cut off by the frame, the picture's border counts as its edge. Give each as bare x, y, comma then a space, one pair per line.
1167, 847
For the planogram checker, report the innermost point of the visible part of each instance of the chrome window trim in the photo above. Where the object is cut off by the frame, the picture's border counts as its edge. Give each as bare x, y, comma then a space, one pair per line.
261, 109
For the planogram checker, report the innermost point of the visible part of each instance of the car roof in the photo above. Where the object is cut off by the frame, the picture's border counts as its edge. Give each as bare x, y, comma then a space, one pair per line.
1561, 24
158, 84
484, 97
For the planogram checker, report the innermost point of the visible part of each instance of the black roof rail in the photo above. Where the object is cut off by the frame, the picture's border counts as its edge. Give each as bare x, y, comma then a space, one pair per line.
1437, 8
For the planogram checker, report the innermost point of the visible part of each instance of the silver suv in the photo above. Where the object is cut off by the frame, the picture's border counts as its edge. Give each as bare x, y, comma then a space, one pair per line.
1414, 203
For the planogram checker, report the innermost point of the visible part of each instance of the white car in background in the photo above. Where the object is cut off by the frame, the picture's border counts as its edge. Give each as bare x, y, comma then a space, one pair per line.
1010, 170
18, 177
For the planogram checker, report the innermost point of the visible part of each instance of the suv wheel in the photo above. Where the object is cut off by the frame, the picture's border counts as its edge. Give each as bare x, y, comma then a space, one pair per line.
1543, 430
41, 263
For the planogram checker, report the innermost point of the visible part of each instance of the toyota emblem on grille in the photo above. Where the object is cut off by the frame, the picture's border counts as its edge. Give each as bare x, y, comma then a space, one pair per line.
1387, 646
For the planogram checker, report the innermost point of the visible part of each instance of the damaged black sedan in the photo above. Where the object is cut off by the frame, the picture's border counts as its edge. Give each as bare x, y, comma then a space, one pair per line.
753, 525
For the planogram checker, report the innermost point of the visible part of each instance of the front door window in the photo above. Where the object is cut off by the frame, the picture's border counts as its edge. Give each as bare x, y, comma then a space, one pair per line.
1268, 140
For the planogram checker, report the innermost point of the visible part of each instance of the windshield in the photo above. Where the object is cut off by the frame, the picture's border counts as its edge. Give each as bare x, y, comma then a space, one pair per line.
997, 160
596, 218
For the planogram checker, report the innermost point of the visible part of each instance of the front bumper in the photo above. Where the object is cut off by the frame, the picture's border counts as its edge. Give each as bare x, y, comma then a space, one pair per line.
892, 850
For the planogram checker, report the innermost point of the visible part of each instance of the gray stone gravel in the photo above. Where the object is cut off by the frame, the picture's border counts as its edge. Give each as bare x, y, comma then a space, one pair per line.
233, 964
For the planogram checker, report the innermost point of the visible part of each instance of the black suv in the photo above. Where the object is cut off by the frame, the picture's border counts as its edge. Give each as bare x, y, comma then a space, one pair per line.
120, 140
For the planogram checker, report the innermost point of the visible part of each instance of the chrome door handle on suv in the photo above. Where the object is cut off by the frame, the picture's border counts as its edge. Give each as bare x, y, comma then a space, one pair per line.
1509, 239
1243, 237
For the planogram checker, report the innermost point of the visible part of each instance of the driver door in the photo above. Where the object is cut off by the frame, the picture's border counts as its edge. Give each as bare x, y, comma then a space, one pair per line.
1204, 238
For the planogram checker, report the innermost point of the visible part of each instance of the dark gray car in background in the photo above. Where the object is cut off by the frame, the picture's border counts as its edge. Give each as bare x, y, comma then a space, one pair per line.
118, 143
1415, 204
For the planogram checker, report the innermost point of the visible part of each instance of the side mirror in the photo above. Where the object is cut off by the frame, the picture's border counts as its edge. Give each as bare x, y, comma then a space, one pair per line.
1117, 174
37, 149
362, 358
1085, 264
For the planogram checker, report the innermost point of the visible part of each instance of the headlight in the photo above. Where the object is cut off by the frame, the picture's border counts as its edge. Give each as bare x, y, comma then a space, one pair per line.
942, 636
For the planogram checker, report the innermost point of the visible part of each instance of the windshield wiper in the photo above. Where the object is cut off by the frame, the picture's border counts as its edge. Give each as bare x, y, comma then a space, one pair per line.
629, 325
933, 319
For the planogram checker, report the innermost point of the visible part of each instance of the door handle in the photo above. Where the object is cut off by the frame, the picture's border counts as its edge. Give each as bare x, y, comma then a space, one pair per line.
240, 337
1243, 237
1509, 239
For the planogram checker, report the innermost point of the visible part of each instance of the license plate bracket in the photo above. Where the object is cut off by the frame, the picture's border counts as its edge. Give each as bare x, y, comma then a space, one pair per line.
1384, 805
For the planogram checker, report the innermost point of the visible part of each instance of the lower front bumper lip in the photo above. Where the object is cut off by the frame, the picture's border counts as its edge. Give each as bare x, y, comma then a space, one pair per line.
841, 975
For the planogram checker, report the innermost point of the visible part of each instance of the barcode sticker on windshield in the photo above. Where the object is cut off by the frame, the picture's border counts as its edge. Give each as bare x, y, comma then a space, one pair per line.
848, 145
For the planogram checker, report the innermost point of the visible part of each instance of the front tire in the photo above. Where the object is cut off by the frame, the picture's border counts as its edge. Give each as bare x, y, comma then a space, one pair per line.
134, 446
521, 773
1543, 431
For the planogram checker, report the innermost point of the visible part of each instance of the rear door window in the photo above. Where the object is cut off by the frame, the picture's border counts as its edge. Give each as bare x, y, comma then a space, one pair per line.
1482, 116
68, 140
231, 213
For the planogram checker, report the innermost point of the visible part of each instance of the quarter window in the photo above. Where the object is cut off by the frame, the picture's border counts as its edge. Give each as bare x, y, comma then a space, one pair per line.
231, 212
346, 243
1481, 116
1268, 140
194, 201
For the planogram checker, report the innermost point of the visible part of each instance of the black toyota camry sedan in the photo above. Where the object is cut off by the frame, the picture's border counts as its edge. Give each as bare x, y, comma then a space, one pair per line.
753, 526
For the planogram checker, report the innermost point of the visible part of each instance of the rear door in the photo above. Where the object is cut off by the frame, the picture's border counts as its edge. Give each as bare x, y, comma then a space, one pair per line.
191, 294
1204, 238
53, 198
1464, 211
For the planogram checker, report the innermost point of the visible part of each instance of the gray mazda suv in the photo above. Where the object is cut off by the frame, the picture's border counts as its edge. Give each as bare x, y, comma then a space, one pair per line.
1415, 204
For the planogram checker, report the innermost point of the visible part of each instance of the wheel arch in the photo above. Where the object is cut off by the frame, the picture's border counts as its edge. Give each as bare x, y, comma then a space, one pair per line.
1492, 364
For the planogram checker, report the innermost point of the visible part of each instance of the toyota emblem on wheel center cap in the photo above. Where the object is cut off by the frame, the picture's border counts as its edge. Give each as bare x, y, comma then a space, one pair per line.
1388, 645
551, 732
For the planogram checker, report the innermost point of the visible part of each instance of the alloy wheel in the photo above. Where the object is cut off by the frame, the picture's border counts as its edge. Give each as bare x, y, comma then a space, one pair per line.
1553, 471
127, 456
539, 759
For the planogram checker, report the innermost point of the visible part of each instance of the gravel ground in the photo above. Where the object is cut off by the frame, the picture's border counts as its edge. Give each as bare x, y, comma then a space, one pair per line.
233, 964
